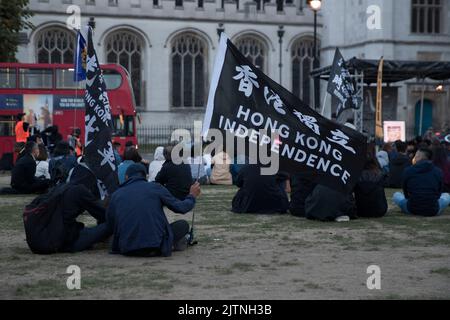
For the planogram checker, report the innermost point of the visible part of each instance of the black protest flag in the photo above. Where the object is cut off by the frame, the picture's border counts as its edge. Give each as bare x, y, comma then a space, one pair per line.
243, 101
342, 86
98, 152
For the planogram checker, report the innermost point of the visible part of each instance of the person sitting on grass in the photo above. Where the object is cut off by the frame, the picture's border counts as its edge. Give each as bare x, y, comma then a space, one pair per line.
82, 195
370, 197
23, 175
326, 204
398, 165
422, 187
221, 174
261, 194
42, 163
135, 216
130, 157
177, 178
62, 162
157, 163
301, 188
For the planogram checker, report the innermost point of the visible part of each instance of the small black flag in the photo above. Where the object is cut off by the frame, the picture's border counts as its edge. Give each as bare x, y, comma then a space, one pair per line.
244, 103
342, 86
99, 153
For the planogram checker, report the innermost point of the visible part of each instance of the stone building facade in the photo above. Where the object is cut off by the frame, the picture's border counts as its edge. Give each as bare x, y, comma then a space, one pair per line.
168, 47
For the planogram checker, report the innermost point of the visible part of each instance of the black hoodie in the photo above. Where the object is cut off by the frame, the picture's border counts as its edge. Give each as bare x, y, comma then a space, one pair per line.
422, 185
370, 196
396, 168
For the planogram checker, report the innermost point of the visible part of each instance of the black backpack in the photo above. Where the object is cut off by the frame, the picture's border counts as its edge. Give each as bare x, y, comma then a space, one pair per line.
43, 222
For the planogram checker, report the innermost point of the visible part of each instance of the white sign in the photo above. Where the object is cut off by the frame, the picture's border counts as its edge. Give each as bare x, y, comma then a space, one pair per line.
394, 130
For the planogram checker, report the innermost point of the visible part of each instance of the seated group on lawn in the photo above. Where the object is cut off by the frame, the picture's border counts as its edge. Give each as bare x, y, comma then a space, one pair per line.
134, 214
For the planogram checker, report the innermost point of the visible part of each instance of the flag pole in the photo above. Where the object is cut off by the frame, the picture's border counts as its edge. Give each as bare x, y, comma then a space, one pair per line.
192, 242
324, 103
422, 99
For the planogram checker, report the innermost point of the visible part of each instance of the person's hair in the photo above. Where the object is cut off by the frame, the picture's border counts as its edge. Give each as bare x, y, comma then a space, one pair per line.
129, 144
418, 139
132, 154
136, 170
34, 137
401, 146
62, 148
440, 158
29, 146
43, 155
387, 147
76, 131
167, 152
20, 116
426, 152
116, 144
372, 163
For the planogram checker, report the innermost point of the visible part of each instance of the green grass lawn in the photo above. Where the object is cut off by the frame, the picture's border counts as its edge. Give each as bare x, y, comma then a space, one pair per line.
244, 256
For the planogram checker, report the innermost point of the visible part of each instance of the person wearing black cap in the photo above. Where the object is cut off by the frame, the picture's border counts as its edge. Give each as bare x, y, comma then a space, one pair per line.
136, 218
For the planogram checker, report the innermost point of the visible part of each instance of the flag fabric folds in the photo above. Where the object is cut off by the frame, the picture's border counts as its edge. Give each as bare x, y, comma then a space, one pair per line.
243, 101
80, 58
98, 153
342, 86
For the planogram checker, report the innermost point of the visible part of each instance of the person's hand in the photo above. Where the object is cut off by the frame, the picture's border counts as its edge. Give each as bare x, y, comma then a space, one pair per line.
195, 190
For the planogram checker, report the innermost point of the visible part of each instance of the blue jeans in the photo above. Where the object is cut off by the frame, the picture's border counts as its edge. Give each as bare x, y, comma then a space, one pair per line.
90, 236
400, 200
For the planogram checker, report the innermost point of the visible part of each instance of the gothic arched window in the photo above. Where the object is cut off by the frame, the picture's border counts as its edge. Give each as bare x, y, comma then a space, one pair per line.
55, 45
127, 49
302, 57
254, 49
189, 70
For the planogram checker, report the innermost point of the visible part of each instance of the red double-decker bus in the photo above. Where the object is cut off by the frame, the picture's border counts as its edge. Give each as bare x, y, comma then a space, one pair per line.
48, 96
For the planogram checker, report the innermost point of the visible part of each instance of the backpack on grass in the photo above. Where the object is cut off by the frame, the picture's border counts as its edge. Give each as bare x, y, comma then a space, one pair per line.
43, 222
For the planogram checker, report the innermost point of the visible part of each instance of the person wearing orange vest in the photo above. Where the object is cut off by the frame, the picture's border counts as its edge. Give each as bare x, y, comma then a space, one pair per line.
21, 129
75, 142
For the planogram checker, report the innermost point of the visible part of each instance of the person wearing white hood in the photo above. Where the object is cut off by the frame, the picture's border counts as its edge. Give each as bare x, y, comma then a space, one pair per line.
156, 164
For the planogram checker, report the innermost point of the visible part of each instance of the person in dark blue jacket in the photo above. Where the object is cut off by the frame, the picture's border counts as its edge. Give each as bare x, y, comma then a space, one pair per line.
135, 216
422, 187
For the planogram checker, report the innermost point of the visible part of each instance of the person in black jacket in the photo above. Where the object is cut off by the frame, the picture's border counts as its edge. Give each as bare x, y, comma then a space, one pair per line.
23, 178
422, 187
135, 215
177, 178
82, 195
326, 204
300, 190
398, 165
262, 194
370, 197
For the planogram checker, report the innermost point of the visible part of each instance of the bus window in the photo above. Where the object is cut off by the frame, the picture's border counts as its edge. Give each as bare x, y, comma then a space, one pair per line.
7, 124
119, 127
113, 79
64, 80
35, 78
124, 128
130, 125
7, 78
